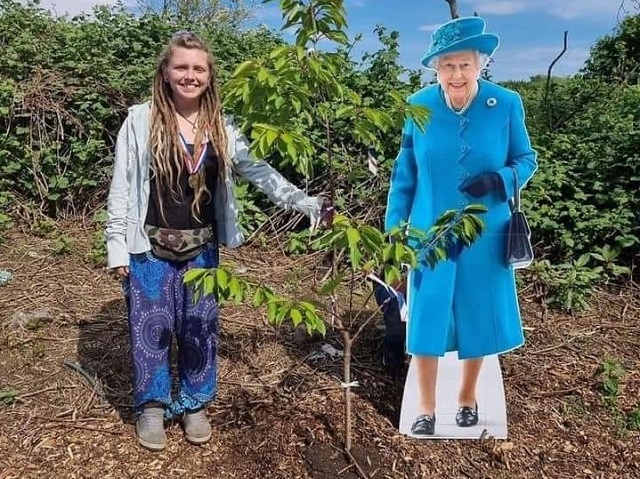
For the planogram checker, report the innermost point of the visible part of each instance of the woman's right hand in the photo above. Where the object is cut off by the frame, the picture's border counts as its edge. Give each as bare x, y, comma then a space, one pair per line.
327, 212
122, 271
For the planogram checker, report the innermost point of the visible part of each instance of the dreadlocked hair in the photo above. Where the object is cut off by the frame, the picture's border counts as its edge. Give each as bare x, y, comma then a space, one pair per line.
167, 154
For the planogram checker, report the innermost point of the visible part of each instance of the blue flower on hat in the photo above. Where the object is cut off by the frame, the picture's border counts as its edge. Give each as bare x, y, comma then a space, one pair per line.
466, 33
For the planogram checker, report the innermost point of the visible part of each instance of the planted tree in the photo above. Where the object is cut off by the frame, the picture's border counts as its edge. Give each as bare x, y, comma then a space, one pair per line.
283, 101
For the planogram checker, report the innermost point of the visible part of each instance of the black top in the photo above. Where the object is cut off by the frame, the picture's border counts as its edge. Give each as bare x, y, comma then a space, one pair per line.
177, 215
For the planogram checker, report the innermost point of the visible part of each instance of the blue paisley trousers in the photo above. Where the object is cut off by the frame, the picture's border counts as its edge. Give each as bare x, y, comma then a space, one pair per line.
160, 308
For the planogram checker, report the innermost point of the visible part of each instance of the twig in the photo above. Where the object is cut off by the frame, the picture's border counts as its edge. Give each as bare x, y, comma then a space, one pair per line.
619, 326
361, 472
346, 370
351, 286
630, 341
35, 393
243, 384
92, 380
552, 348
622, 11
91, 397
336, 259
559, 392
86, 428
280, 244
364, 324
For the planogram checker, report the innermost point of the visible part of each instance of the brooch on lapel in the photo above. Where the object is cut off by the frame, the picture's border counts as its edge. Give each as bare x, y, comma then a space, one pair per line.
491, 102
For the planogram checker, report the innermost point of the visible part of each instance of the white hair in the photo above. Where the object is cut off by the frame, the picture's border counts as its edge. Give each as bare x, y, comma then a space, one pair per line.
481, 59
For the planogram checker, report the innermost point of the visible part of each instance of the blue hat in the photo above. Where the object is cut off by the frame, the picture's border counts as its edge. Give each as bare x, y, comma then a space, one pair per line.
466, 33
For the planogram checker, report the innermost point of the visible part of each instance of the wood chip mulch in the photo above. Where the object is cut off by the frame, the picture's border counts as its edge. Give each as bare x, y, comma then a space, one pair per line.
65, 386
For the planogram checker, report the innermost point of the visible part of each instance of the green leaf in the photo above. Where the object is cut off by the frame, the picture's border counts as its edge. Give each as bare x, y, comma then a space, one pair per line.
330, 286
222, 278
194, 275
282, 311
475, 209
353, 238
582, 261
320, 326
237, 290
258, 298
307, 306
343, 111
272, 309
398, 252
245, 68
209, 287
296, 316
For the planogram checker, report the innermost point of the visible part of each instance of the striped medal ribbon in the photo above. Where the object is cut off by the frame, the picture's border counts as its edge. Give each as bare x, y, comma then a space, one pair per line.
194, 162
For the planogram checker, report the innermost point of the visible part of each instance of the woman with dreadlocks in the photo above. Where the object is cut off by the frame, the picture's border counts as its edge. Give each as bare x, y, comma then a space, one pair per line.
170, 204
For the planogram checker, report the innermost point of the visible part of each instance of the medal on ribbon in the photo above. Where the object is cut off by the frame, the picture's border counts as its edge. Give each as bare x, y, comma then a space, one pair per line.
194, 162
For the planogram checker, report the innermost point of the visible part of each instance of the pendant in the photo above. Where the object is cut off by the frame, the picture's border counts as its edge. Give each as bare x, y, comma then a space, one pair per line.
193, 179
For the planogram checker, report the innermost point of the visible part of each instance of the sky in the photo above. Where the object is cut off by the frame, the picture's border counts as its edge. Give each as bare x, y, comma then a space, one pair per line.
531, 31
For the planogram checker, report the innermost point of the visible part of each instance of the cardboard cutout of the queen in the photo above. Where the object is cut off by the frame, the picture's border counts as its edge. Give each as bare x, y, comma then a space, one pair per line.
464, 312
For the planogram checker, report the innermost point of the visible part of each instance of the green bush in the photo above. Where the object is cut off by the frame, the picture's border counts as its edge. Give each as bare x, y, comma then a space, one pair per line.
65, 85
584, 195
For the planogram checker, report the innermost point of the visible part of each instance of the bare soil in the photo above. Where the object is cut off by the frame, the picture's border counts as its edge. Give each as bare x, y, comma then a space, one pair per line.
65, 386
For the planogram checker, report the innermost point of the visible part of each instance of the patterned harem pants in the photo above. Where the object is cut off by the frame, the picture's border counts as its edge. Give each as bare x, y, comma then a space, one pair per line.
160, 308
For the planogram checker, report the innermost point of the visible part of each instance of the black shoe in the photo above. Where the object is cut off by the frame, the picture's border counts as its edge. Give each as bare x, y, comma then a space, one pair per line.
467, 416
424, 425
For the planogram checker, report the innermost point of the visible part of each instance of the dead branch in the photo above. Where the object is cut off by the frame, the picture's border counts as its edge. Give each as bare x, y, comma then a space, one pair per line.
78, 426
623, 10
548, 85
93, 383
453, 8
359, 469
558, 392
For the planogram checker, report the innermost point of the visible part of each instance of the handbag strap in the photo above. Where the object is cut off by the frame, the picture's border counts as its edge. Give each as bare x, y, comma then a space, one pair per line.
516, 190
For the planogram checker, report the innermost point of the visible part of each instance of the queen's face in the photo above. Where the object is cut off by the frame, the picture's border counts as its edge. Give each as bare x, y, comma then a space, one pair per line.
188, 74
457, 73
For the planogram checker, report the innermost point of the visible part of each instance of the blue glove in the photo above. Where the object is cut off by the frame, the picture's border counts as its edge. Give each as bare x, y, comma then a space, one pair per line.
483, 184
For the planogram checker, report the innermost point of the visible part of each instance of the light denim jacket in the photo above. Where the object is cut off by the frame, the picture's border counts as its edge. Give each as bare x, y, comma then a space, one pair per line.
128, 198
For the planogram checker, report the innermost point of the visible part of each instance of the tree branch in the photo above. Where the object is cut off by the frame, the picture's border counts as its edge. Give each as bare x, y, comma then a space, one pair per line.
623, 10
453, 7
548, 85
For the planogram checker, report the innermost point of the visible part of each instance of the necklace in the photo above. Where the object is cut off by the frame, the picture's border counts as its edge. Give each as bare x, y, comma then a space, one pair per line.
464, 107
194, 127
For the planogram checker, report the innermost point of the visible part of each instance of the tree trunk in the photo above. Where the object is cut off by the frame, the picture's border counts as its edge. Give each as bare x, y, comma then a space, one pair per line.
346, 363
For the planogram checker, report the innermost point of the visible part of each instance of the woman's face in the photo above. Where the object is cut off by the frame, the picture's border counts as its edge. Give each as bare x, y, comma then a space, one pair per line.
457, 74
188, 74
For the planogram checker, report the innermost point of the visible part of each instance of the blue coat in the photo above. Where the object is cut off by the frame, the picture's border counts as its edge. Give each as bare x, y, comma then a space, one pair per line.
468, 304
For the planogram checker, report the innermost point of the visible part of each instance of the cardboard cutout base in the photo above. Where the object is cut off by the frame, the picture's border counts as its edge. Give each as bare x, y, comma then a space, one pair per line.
490, 394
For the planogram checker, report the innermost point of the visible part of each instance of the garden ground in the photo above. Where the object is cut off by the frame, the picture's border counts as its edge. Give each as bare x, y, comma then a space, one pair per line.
65, 386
